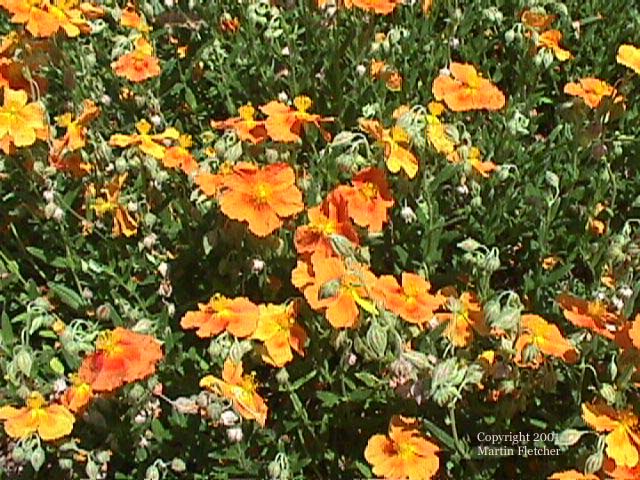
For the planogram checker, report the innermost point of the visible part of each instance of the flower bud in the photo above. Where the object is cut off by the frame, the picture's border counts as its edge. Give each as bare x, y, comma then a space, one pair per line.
229, 418
152, 473
282, 377
178, 465
235, 434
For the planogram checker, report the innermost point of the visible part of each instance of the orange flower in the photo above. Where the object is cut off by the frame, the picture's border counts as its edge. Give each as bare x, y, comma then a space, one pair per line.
229, 24
405, 453
621, 427
634, 332
76, 135
473, 158
121, 357
394, 140
240, 389
536, 20
247, 128
572, 475
329, 218
539, 337
51, 422
151, 144
262, 197
21, 123
551, 39
464, 316
77, 397
593, 315
238, 316
383, 7
335, 287
629, 56
179, 157
60, 155
284, 124
592, 91
467, 90
617, 472
278, 330
380, 71
130, 18
411, 301
212, 183
139, 65
43, 18
368, 199
123, 222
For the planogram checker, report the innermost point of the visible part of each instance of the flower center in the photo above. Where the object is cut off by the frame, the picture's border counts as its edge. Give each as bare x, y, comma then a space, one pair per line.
369, 190
35, 402
262, 193
405, 451
108, 343
596, 309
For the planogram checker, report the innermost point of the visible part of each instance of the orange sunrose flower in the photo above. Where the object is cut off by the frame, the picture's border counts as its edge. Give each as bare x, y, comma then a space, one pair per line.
464, 317
284, 124
368, 199
262, 197
405, 453
43, 18
121, 357
61, 154
539, 337
21, 122
329, 218
238, 316
50, 422
123, 222
473, 157
211, 183
394, 140
151, 144
240, 389
247, 128
139, 65
382, 7
467, 90
229, 24
617, 472
179, 157
78, 396
572, 475
130, 18
411, 301
537, 20
551, 39
621, 427
634, 332
592, 91
379, 70
280, 333
629, 56
336, 288
594, 315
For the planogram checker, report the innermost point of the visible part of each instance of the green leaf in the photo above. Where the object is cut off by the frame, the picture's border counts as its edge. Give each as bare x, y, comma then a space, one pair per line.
328, 399
7, 330
190, 98
67, 296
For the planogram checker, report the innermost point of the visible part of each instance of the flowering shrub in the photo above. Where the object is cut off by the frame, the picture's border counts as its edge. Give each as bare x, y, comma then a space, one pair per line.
319, 239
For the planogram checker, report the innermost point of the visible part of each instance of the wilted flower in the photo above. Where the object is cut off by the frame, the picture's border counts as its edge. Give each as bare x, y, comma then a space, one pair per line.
240, 389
